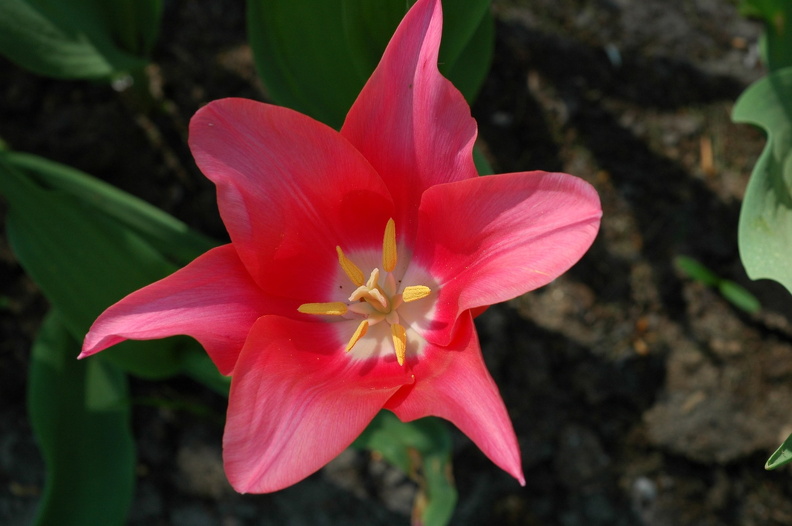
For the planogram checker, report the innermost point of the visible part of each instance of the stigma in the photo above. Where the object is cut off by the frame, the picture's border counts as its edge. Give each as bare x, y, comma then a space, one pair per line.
376, 298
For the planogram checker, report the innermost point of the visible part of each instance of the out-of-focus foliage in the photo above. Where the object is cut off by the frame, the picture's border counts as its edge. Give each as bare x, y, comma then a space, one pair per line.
765, 229
734, 293
80, 415
315, 56
421, 449
87, 244
79, 39
776, 42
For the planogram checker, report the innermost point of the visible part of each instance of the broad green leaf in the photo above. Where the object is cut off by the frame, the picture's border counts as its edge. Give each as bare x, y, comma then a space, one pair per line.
167, 234
776, 41
782, 455
79, 38
765, 228
469, 72
483, 166
422, 450
199, 367
316, 55
301, 54
367, 27
108, 244
80, 415
84, 261
135, 24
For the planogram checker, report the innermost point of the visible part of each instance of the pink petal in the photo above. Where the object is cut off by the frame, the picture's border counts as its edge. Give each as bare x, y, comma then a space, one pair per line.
409, 121
453, 383
493, 238
297, 400
213, 299
289, 190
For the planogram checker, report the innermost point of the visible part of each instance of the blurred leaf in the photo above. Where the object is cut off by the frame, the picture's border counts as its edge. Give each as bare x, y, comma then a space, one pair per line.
777, 39
483, 166
80, 415
782, 455
167, 234
731, 291
468, 68
739, 297
315, 55
422, 450
765, 229
697, 271
84, 262
135, 24
302, 57
79, 38
201, 368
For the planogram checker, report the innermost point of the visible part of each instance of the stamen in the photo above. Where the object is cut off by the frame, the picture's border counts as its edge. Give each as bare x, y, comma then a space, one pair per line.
331, 309
350, 269
375, 302
415, 292
399, 342
359, 333
389, 247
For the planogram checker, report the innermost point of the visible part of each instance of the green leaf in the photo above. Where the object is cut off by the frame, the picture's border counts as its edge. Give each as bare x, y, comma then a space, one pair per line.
201, 368
302, 56
697, 271
470, 70
739, 297
166, 234
776, 41
135, 24
80, 415
84, 262
422, 449
483, 165
731, 291
765, 228
315, 55
782, 455
79, 38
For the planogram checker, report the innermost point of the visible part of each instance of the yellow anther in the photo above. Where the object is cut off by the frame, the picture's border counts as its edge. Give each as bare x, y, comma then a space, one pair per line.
399, 342
389, 247
375, 301
359, 333
331, 309
415, 292
350, 269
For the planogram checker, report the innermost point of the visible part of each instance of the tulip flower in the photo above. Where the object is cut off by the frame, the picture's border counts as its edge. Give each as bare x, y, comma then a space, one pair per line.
358, 260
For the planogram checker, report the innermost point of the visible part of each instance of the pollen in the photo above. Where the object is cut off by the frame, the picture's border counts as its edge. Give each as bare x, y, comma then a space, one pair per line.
399, 342
374, 300
350, 269
389, 258
416, 292
358, 334
331, 309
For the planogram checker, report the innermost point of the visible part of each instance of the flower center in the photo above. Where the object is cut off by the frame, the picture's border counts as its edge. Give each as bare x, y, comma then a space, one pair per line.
375, 299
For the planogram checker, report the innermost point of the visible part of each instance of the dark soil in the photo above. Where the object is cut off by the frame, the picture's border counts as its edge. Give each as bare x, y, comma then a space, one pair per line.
640, 397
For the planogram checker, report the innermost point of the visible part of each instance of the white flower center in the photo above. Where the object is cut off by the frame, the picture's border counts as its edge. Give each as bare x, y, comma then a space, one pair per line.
375, 299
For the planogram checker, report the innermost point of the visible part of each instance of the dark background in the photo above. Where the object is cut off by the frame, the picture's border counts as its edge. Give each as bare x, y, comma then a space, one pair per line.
639, 396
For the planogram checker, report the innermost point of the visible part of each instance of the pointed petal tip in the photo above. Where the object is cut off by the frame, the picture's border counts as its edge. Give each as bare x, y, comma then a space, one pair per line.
95, 343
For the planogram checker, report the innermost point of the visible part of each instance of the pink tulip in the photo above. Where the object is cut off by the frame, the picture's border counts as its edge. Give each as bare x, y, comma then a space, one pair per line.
356, 265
